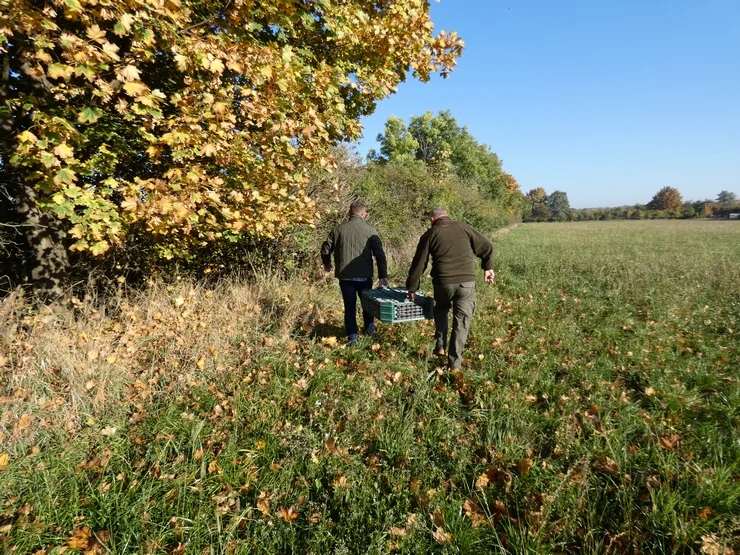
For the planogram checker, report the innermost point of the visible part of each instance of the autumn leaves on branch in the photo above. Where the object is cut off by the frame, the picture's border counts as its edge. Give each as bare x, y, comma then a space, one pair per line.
191, 122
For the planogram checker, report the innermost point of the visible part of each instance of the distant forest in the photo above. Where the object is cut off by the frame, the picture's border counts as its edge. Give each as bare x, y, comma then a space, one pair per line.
666, 204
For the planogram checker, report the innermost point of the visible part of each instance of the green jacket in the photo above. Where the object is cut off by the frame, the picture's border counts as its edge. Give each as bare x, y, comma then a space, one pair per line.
453, 247
354, 243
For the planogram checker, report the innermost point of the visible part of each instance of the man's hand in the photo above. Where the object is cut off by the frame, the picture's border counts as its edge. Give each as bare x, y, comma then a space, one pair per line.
383, 282
327, 268
411, 295
489, 275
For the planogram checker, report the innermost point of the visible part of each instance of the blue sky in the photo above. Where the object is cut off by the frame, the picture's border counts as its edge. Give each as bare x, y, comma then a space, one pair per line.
607, 101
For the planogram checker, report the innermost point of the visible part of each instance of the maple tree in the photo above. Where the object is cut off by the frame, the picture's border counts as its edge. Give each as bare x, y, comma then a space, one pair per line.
184, 122
537, 205
668, 198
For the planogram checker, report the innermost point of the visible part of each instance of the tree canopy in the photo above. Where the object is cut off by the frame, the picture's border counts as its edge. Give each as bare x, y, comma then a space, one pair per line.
446, 147
668, 198
186, 122
558, 205
727, 197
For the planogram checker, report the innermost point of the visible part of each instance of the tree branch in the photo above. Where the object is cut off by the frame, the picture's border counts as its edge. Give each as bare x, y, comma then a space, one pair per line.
206, 21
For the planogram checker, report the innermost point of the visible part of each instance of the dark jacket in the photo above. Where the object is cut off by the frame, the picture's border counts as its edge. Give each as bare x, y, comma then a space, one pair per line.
453, 246
354, 243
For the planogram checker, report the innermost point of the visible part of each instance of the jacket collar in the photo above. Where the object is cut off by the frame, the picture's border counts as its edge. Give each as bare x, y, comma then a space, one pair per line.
441, 219
356, 217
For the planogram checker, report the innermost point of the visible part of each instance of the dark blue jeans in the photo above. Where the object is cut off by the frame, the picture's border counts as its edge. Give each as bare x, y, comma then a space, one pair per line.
350, 291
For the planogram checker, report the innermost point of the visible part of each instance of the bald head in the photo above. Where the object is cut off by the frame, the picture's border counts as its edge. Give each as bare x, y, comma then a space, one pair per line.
438, 213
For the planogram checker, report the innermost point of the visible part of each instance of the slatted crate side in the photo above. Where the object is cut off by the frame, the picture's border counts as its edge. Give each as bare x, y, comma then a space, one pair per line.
391, 306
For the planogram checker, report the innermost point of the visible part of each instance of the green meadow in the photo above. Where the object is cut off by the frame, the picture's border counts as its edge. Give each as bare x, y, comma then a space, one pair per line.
598, 411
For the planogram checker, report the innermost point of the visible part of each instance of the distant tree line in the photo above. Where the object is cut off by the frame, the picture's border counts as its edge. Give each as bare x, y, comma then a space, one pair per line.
665, 204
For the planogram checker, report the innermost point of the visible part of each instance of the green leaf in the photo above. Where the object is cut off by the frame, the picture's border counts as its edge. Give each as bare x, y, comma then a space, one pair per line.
86, 71
74, 4
89, 115
63, 210
65, 175
49, 160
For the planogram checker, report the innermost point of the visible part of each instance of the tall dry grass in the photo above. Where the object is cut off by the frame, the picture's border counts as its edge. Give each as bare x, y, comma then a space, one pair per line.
62, 369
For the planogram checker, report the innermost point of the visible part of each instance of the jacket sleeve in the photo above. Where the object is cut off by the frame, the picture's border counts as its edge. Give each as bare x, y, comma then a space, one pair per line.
419, 264
376, 246
327, 248
482, 247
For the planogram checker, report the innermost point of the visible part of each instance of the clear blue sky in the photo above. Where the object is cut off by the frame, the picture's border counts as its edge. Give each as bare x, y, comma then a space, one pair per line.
608, 101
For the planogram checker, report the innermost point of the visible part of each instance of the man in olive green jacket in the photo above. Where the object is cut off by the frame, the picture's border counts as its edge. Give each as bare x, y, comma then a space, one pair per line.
354, 243
453, 247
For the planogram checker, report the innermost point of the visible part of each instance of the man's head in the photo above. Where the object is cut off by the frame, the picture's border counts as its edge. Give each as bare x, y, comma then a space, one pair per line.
438, 213
358, 208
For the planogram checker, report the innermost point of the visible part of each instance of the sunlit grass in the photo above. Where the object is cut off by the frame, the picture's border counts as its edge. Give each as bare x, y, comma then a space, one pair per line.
598, 411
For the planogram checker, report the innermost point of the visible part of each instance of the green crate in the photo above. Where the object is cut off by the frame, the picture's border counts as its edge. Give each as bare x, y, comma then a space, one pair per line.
390, 305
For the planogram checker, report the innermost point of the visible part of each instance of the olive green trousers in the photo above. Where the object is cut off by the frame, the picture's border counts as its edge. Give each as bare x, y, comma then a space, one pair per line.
461, 298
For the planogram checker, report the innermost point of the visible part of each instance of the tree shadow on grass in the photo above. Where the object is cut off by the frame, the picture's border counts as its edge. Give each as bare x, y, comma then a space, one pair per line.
310, 326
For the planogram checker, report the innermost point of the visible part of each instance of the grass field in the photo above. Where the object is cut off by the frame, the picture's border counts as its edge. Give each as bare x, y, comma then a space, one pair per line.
599, 412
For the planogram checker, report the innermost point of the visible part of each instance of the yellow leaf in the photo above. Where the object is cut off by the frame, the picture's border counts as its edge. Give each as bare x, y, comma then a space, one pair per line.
201, 363
135, 88
57, 71
217, 66
99, 247
4, 460
129, 204
63, 151
329, 340
209, 150
95, 33
111, 50
181, 61
126, 20
129, 73
43, 56
26, 137
266, 71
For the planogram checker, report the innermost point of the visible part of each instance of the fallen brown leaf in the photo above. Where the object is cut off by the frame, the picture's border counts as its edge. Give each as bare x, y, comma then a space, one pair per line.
606, 465
79, 539
670, 442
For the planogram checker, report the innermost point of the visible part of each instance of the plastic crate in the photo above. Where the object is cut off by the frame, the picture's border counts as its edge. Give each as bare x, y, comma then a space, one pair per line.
390, 305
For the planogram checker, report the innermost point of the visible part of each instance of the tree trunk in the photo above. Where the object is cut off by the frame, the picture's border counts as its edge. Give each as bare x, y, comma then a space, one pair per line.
47, 263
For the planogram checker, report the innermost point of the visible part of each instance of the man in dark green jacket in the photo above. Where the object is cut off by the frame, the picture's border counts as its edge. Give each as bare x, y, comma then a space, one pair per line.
453, 247
354, 243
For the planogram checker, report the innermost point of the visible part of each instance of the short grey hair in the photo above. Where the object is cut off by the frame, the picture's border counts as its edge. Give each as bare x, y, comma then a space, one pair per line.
438, 213
357, 207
